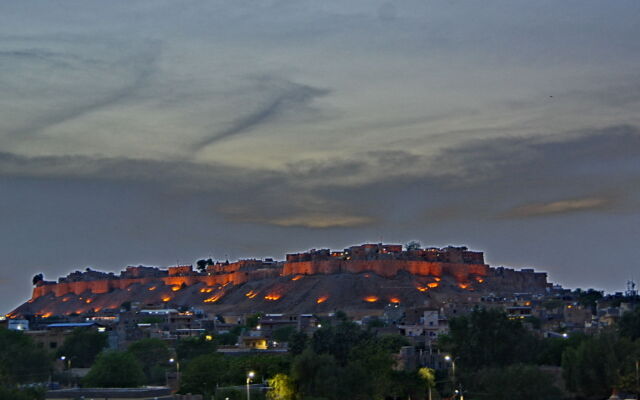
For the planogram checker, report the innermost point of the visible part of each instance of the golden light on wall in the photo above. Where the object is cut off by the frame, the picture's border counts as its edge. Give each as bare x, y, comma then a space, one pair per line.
88, 301
152, 288
322, 299
213, 298
371, 299
165, 299
273, 296
251, 294
479, 280
206, 290
176, 288
437, 279
394, 300
433, 285
463, 285
47, 315
422, 288
297, 277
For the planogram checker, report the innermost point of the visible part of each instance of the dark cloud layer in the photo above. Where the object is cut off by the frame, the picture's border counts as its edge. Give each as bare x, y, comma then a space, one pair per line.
506, 177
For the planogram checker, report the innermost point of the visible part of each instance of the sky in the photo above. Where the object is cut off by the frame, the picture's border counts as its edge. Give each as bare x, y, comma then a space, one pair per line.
160, 132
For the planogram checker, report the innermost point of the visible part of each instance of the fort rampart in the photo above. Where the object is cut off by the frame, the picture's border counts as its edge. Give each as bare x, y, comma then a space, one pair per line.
386, 268
107, 285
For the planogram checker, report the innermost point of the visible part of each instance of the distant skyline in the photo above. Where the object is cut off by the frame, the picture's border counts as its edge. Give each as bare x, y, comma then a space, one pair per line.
146, 132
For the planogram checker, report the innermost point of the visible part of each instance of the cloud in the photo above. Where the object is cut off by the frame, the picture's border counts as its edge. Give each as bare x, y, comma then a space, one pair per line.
480, 180
287, 98
83, 82
320, 221
560, 207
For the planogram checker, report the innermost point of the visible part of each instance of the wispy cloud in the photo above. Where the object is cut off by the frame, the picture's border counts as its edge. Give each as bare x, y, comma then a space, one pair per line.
319, 221
285, 98
568, 206
79, 75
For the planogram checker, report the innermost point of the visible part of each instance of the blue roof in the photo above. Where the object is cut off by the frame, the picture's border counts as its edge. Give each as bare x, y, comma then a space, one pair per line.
71, 325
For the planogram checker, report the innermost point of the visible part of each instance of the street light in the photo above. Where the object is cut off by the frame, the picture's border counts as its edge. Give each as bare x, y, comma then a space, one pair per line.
171, 361
250, 375
67, 361
452, 360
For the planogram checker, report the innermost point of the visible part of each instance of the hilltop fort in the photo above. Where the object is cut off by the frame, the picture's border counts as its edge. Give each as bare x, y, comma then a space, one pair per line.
359, 277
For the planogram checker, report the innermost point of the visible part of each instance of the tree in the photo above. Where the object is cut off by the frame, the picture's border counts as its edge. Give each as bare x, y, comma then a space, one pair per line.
190, 348
253, 320
371, 362
201, 265
406, 384
552, 348
21, 361
297, 343
283, 334
37, 278
82, 347
522, 382
282, 388
315, 375
338, 340
227, 339
428, 375
203, 374
598, 364
264, 366
629, 324
14, 393
589, 298
486, 338
153, 355
115, 369
413, 245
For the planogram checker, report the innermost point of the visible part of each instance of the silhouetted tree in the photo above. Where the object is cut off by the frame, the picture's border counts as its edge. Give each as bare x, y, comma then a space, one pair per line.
413, 245
153, 355
21, 361
37, 278
82, 347
629, 324
115, 369
201, 265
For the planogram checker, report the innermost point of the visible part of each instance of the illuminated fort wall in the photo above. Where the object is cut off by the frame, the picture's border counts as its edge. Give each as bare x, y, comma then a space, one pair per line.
462, 272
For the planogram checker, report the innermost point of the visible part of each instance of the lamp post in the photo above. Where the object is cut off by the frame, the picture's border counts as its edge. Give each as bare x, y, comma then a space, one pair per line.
250, 375
67, 362
174, 360
638, 378
452, 360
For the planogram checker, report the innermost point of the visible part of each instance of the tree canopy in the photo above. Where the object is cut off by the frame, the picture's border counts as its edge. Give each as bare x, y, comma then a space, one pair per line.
486, 338
189, 348
115, 369
21, 361
82, 347
153, 355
